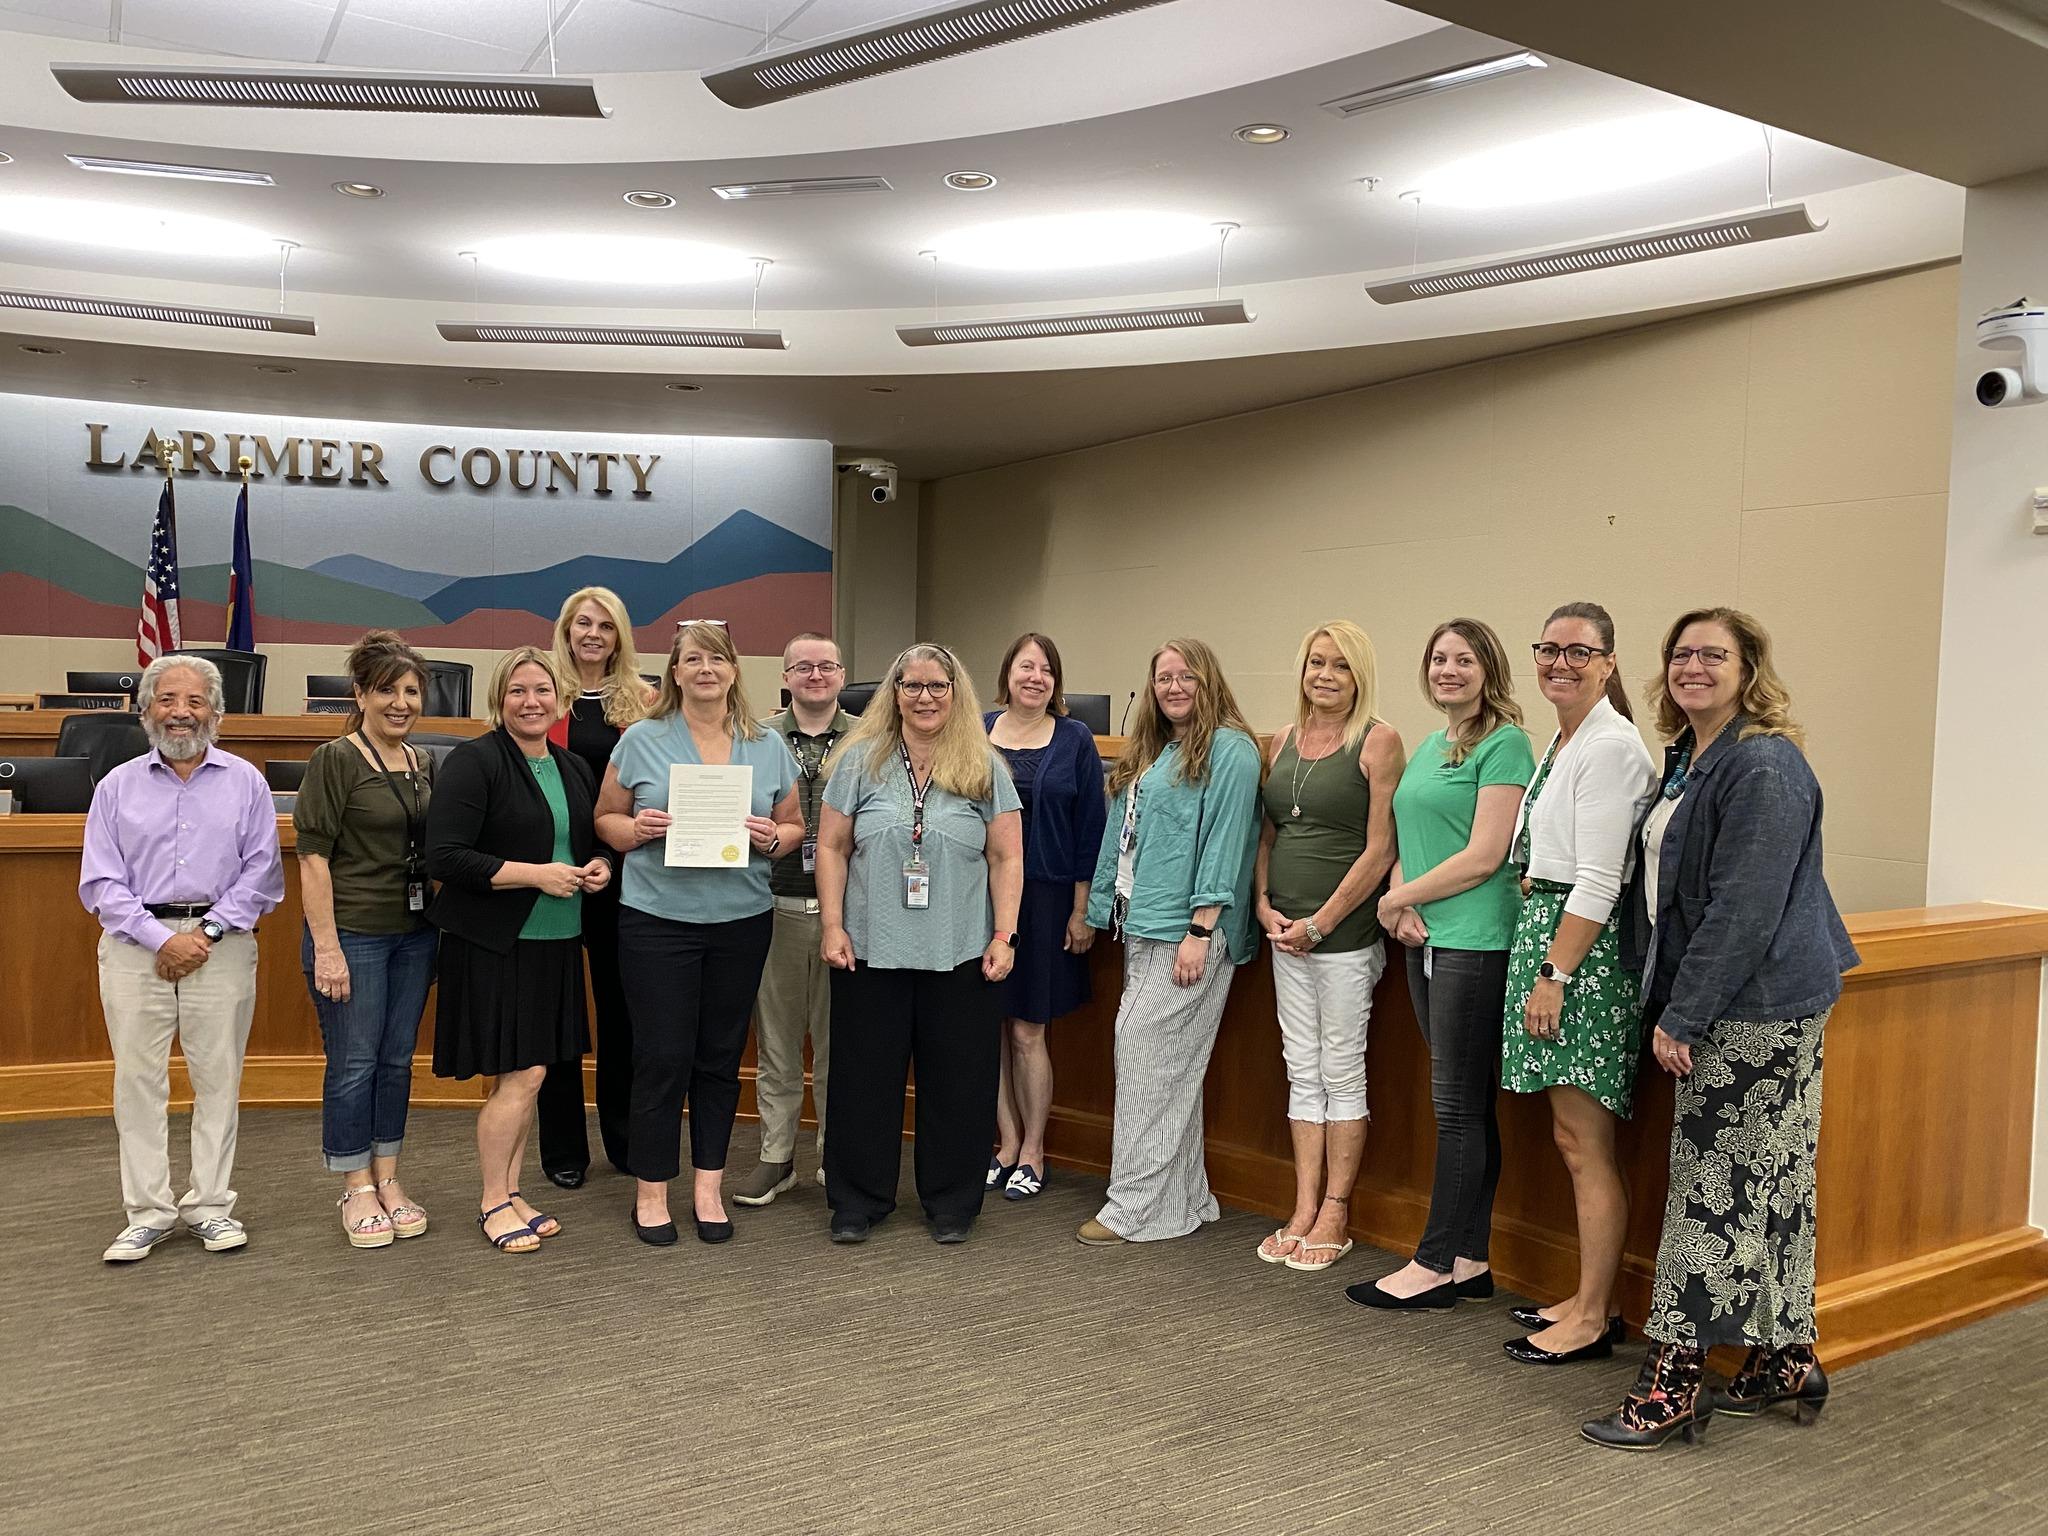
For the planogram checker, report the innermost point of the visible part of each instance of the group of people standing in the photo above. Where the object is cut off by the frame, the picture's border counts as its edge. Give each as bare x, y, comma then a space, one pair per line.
922, 888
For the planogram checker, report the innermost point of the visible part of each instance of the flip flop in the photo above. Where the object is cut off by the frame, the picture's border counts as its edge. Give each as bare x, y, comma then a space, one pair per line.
1293, 1261
1278, 1258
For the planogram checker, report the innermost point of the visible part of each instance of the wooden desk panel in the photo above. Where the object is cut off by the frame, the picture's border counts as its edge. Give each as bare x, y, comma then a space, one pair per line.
257, 738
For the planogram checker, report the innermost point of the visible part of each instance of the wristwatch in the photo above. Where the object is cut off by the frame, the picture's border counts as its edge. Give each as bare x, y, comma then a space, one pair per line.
1005, 935
212, 928
1315, 934
1200, 930
1548, 972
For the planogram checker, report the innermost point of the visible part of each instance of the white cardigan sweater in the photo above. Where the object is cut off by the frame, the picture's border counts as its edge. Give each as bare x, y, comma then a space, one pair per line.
1579, 834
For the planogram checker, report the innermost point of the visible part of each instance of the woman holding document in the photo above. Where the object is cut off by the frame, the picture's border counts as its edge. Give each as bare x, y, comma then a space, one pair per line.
695, 913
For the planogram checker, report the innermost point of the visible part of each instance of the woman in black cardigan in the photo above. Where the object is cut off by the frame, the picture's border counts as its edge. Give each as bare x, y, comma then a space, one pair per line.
511, 838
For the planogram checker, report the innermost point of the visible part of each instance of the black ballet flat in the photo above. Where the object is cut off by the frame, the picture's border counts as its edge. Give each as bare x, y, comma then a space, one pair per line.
1532, 1318
1478, 1287
1438, 1298
655, 1237
1601, 1348
566, 1178
713, 1231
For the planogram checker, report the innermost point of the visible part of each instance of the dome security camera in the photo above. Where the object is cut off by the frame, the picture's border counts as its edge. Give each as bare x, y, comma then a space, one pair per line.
2022, 327
879, 470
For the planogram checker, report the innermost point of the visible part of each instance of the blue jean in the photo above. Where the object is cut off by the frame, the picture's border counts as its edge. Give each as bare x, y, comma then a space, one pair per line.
369, 1041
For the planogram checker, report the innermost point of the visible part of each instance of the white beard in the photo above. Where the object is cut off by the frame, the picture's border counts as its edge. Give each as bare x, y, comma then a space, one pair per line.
178, 749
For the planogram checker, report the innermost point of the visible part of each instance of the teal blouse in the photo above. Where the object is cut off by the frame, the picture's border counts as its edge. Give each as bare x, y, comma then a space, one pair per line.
1196, 844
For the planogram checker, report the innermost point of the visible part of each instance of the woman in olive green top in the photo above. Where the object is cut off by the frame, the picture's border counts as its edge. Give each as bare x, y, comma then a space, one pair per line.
1452, 903
368, 952
1325, 848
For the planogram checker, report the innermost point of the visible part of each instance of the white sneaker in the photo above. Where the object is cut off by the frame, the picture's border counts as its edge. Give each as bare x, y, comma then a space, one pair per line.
135, 1243
820, 1176
219, 1233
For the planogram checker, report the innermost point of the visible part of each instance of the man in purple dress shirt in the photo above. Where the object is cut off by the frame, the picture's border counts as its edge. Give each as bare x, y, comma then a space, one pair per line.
180, 861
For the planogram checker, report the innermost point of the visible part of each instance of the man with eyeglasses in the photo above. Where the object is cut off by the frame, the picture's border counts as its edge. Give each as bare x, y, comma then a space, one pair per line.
795, 996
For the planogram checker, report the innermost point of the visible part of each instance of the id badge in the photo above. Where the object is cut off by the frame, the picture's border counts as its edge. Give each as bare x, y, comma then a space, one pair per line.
415, 895
917, 886
1428, 961
810, 855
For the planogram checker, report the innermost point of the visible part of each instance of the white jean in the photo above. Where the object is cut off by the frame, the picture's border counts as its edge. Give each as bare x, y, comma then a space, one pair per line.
1325, 1004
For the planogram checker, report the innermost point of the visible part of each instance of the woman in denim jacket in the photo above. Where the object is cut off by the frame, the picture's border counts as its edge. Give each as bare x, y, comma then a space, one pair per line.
1745, 954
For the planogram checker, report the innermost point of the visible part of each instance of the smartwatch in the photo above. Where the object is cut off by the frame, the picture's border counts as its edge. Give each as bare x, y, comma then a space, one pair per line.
1200, 930
212, 928
1548, 972
1005, 935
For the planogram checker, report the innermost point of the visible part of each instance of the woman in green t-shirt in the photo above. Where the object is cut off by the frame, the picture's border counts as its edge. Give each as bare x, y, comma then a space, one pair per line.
1452, 900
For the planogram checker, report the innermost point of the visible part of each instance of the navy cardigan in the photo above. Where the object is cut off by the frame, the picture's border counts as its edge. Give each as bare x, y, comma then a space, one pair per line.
1068, 808
1744, 927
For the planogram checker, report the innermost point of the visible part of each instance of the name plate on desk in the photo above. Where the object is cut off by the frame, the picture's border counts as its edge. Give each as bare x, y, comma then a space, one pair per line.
6, 802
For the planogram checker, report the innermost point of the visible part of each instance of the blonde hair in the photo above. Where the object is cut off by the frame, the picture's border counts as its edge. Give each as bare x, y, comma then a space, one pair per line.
624, 690
1497, 706
1764, 698
1355, 646
963, 762
739, 713
1215, 709
501, 679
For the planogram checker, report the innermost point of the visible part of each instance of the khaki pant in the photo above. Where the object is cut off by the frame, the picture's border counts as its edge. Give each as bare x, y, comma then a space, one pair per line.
795, 999
209, 1014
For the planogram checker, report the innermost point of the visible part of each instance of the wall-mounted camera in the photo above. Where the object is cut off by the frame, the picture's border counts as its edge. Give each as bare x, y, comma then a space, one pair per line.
2022, 327
881, 471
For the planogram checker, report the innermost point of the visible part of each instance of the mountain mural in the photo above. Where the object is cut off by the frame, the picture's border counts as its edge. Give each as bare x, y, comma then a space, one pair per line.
366, 572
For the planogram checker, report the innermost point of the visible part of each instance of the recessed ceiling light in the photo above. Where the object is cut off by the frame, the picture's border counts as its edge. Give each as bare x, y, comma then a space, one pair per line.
274, 368
1600, 157
650, 200
358, 189
686, 389
1261, 133
1065, 241
614, 259
42, 351
167, 168
969, 181
1430, 84
808, 186
483, 381
117, 226
6, 159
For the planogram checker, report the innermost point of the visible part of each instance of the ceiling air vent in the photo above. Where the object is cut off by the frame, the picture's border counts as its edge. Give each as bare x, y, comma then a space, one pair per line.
620, 336
168, 314
323, 90
1428, 85
921, 39
1164, 317
1626, 250
816, 186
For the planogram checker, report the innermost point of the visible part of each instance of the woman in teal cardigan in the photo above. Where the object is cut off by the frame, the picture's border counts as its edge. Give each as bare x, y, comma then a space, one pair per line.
1175, 884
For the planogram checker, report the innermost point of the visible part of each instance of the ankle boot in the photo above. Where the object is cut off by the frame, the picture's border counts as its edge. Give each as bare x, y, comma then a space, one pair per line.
1668, 1399
1769, 1377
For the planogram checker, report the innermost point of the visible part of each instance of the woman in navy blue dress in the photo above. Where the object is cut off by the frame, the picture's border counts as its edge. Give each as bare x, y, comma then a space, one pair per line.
1059, 778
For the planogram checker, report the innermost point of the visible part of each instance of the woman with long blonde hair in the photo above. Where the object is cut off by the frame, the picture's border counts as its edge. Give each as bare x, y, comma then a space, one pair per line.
1174, 882
920, 875
1326, 843
605, 693
692, 938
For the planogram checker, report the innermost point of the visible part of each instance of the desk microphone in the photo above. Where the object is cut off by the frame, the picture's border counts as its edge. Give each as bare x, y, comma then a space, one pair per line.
1127, 712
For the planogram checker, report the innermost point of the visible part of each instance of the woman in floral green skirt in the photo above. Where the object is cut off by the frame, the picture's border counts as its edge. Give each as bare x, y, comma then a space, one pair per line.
1573, 1025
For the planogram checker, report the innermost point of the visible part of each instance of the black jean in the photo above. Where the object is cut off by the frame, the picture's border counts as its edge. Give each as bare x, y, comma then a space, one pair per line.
564, 1138
690, 990
948, 1024
1459, 1008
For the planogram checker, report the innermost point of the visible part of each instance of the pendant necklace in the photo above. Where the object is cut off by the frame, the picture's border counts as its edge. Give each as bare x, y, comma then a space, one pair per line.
1298, 780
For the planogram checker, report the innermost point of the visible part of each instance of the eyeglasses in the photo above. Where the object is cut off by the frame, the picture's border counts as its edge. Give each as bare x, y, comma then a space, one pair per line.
1709, 655
911, 690
1186, 680
1575, 656
814, 668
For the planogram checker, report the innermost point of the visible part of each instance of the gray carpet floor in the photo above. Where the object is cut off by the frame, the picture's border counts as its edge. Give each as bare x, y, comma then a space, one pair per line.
1018, 1384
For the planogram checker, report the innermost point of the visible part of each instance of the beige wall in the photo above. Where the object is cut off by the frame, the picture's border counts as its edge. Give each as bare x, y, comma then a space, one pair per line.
1790, 457
874, 568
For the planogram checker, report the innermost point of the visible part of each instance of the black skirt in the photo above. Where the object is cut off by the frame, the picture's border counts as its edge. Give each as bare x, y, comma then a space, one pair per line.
502, 1013
1046, 983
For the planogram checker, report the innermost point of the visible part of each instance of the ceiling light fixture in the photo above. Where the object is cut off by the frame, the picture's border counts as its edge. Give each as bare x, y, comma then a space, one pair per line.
918, 39
274, 368
121, 227
969, 181
483, 381
645, 260
684, 389
1428, 85
1587, 161
808, 186
1260, 133
881, 389
358, 189
176, 172
727, 338
650, 200
169, 314
42, 351
329, 90
1621, 251
6, 159
1163, 317
1066, 241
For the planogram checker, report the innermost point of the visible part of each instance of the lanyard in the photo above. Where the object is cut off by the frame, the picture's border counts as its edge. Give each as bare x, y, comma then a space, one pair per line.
414, 817
810, 767
917, 798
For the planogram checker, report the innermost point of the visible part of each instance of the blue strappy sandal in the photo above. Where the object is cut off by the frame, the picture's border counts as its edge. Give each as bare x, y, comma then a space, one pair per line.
503, 1241
533, 1225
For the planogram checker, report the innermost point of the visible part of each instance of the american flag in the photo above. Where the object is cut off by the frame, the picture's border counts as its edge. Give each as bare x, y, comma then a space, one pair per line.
158, 631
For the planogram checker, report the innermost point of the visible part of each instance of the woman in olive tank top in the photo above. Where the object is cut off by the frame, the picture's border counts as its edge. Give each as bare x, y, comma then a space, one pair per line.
1324, 851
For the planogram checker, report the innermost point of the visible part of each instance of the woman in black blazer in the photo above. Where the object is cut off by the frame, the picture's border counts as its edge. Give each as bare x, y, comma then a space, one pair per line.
511, 837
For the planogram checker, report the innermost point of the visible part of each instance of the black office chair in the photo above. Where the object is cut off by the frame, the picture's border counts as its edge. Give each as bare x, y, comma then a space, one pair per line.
437, 739
241, 676
436, 747
1091, 709
105, 738
285, 775
854, 697
448, 684
329, 686
103, 682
